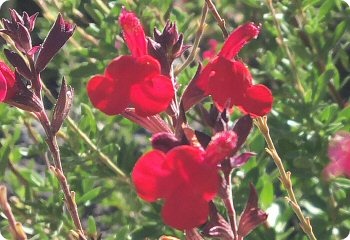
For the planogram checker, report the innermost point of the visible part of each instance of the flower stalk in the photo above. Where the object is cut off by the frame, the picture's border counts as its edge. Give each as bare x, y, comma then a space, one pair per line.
199, 34
220, 21
285, 177
16, 227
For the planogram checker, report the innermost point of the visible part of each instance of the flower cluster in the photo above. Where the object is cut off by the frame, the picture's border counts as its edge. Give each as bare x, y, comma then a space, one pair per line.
186, 169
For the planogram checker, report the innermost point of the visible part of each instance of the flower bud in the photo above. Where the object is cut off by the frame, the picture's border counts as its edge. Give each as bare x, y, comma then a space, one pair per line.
60, 32
166, 46
164, 141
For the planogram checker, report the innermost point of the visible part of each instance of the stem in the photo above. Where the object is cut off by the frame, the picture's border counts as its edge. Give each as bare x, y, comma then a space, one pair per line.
284, 46
102, 157
285, 178
320, 62
220, 21
68, 194
199, 34
16, 227
228, 201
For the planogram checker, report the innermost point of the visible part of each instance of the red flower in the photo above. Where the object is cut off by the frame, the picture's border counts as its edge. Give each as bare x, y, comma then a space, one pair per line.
132, 80
339, 154
229, 81
15, 93
183, 179
186, 178
7, 82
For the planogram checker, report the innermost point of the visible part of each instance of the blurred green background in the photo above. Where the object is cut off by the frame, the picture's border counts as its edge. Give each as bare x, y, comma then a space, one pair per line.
302, 42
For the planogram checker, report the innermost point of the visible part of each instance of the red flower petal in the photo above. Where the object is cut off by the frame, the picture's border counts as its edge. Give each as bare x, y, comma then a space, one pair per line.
258, 101
151, 176
238, 38
3, 87
107, 96
193, 171
183, 210
7, 82
203, 78
129, 70
228, 83
133, 33
152, 96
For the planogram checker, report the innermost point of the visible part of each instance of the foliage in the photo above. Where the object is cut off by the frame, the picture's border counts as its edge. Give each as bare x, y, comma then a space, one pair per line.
302, 54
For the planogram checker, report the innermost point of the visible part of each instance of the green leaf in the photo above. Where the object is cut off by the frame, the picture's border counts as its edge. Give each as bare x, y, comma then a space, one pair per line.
267, 193
88, 121
89, 195
342, 182
339, 31
325, 8
91, 225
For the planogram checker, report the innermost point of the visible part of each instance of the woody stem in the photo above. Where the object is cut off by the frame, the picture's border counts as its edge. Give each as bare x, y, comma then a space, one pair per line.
68, 194
285, 178
219, 20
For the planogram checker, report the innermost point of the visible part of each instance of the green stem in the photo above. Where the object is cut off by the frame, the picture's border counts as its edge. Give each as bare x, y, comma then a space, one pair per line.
196, 41
102, 157
284, 46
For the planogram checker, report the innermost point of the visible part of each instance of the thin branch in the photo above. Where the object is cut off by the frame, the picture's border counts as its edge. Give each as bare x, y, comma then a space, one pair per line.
15, 227
196, 41
102, 157
284, 46
285, 178
219, 20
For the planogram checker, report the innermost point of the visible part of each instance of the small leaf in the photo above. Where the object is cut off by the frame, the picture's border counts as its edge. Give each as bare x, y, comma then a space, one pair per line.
342, 182
91, 225
89, 195
62, 107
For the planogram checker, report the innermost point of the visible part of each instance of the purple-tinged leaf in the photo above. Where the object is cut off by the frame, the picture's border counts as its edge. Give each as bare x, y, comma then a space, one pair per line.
242, 128
62, 107
252, 216
217, 226
238, 161
203, 138
15, 16
17, 61
34, 50
24, 39
23, 97
60, 32
29, 21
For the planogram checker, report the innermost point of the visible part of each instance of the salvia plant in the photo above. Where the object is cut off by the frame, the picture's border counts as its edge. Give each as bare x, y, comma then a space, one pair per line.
168, 136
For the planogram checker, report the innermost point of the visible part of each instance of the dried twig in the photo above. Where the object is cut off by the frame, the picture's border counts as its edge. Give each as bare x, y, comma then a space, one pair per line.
285, 178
